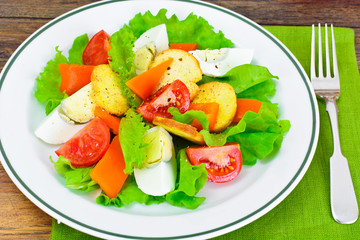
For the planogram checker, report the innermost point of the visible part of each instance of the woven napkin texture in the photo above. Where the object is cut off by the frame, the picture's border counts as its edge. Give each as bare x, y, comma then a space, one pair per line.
305, 213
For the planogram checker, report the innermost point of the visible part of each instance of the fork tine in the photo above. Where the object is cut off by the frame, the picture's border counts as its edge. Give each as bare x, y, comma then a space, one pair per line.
312, 62
335, 66
321, 74
328, 74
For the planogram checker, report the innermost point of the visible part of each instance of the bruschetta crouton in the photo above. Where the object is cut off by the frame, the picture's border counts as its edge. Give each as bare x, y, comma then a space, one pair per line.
185, 68
224, 95
107, 92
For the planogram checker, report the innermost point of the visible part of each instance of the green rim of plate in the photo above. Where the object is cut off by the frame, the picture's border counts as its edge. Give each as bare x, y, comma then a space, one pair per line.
229, 12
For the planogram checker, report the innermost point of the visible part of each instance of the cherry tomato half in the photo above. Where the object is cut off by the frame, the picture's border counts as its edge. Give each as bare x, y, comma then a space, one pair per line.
96, 51
175, 94
223, 163
88, 145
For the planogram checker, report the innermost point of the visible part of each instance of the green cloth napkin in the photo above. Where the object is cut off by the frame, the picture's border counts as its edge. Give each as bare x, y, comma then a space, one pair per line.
305, 213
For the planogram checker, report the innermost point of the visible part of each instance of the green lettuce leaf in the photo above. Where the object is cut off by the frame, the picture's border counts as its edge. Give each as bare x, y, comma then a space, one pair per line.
75, 178
77, 49
52, 103
248, 81
122, 61
219, 139
121, 54
189, 116
129, 193
131, 131
191, 180
259, 91
211, 139
263, 135
47, 90
265, 120
193, 29
257, 145
246, 76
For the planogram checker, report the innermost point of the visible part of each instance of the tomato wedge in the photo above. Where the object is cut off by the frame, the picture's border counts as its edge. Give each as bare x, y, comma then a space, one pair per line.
96, 51
88, 145
175, 94
223, 163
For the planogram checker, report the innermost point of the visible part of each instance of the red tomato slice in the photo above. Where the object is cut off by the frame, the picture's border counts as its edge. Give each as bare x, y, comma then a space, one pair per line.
96, 51
88, 145
175, 94
222, 163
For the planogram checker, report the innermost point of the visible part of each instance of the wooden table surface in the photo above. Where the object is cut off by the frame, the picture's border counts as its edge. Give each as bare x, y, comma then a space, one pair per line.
20, 218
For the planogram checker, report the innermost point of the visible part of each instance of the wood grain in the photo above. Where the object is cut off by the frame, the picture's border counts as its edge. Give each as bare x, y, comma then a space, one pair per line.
20, 218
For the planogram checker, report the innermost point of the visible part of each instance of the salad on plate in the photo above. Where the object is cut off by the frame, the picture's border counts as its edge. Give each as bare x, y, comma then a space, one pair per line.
152, 112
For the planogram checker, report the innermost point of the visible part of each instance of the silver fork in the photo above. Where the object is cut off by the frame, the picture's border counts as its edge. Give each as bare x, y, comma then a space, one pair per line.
344, 206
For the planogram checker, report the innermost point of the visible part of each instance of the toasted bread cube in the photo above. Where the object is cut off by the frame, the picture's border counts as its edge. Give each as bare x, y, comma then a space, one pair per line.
185, 68
107, 92
224, 95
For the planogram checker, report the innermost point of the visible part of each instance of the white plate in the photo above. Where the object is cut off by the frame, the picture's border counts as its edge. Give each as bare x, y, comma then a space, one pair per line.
229, 206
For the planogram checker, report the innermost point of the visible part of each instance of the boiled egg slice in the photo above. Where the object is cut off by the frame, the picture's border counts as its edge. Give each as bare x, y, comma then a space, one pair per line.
217, 62
80, 106
148, 45
57, 129
158, 176
157, 35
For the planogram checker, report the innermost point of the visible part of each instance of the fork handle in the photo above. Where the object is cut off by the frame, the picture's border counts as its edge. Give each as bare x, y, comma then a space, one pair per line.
344, 205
